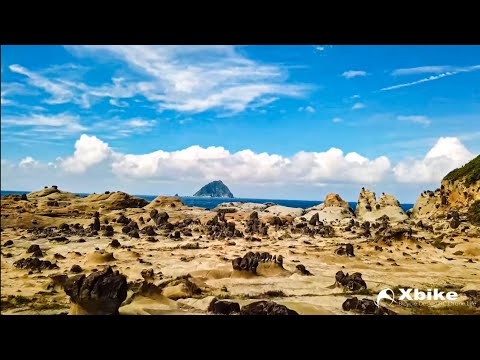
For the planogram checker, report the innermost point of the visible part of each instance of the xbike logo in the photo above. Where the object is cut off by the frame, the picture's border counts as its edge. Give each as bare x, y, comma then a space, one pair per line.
406, 294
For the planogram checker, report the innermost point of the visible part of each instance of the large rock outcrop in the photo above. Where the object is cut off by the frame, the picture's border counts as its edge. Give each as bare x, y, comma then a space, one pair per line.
116, 200
333, 208
459, 190
369, 209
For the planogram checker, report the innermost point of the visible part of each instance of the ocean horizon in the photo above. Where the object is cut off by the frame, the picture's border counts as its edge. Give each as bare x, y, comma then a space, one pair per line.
212, 202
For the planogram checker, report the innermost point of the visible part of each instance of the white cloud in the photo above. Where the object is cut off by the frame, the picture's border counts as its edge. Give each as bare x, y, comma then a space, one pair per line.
63, 123
28, 162
134, 123
422, 70
419, 119
319, 48
433, 77
447, 154
354, 73
358, 105
89, 151
308, 108
337, 120
197, 163
118, 103
62, 91
194, 78
356, 97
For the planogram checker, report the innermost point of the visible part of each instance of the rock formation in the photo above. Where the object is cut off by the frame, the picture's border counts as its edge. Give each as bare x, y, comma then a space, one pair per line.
459, 190
215, 189
369, 209
101, 293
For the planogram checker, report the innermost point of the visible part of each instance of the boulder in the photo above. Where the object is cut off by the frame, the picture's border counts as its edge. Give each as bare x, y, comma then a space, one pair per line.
266, 308
101, 293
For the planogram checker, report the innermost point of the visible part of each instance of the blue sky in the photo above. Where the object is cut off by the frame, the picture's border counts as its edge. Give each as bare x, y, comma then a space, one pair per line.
292, 122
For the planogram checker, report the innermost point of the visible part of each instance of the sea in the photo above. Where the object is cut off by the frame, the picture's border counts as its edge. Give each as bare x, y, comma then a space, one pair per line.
210, 202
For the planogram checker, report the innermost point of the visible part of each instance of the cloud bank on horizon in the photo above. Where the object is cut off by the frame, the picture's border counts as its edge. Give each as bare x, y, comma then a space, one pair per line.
275, 120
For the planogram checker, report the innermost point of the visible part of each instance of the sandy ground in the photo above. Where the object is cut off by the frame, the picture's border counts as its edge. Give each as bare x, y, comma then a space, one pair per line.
416, 262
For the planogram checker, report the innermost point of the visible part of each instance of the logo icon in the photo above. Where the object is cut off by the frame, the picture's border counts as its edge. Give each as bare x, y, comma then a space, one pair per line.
385, 294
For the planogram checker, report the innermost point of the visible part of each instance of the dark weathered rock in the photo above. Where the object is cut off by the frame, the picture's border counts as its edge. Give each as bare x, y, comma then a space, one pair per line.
224, 307
134, 234
34, 263
474, 297
455, 222
101, 293
314, 219
123, 220
24, 197
349, 250
365, 306
161, 218
33, 248
149, 230
8, 243
37, 253
115, 243
108, 230
96, 223
352, 282
346, 250
52, 203
64, 227
266, 308
303, 270
175, 235
76, 269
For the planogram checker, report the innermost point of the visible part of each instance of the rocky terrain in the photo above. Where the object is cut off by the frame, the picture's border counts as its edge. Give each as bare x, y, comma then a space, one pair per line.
113, 253
215, 189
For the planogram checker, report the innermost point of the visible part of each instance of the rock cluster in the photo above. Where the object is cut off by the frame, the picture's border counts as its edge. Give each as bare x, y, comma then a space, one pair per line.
250, 261
352, 282
219, 228
365, 306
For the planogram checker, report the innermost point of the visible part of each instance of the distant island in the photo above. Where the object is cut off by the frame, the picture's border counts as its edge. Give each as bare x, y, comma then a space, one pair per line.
215, 189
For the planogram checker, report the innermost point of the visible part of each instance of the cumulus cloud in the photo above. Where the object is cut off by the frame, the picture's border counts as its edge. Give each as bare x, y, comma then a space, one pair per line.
196, 163
89, 151
28, 162
353, 73
358, 105
419, 119
95, 163
447, 154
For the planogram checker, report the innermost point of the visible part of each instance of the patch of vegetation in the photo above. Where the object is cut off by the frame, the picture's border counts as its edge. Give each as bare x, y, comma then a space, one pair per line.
474, 213
470, 172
